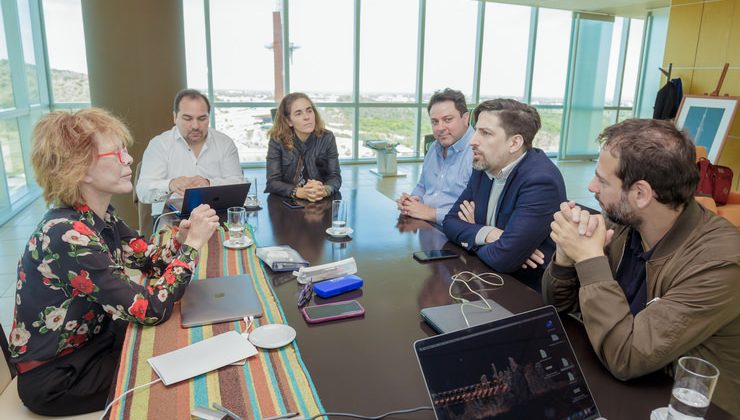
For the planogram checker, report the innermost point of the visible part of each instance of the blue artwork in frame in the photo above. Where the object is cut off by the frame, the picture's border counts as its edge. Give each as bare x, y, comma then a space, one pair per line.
708, 120
702, 123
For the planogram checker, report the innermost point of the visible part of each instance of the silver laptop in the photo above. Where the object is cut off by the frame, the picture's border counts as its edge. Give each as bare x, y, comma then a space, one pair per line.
449, 318
520, 367
219, 197
220, 299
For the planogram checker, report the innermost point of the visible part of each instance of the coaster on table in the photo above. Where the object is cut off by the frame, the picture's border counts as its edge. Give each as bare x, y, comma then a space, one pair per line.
346, 232
229, 244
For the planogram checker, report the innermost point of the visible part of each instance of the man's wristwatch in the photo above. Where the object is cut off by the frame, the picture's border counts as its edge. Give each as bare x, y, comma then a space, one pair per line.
292, 193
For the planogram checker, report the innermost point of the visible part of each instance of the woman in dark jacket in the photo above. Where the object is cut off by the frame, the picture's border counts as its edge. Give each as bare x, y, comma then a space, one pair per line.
302, 158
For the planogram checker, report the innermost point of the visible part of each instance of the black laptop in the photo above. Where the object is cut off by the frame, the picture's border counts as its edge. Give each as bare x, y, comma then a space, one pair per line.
520, 367
219, 197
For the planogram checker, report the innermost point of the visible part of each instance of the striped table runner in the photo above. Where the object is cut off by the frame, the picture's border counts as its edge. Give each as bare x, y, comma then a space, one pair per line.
271, 383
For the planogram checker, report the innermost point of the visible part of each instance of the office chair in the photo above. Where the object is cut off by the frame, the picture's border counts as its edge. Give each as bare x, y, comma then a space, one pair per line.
11, 405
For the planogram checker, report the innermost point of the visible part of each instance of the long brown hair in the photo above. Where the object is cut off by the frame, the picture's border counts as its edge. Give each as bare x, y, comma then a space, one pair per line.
281, 130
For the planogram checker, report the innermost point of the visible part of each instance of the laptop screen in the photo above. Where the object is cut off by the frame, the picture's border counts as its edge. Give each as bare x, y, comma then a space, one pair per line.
219, 197
515, 368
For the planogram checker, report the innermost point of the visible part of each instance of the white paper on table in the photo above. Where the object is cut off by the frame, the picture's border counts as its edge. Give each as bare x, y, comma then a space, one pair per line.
201, 357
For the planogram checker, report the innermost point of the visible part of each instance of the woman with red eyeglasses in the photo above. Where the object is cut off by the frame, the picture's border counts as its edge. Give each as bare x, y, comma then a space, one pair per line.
73, 296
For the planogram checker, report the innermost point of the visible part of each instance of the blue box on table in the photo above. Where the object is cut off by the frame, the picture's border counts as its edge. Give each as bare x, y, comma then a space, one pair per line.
333, 287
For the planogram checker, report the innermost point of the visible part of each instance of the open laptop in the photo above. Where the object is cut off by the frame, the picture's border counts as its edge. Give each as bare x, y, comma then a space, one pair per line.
449, 318
220, 299
520, 367
219, 197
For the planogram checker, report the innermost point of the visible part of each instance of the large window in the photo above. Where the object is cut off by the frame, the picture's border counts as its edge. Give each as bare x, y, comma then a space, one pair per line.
388, 74
631, 68
449, 47
505, 47
65, 46
551, 59
23, 98
29, 52
235, 74
196, 61
321, 36
550, 74
6, 84
371, 65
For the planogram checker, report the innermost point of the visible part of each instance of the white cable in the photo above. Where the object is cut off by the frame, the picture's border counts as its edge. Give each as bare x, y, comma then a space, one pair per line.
461, 277
156, 221
108, 407
358, 416
248, 321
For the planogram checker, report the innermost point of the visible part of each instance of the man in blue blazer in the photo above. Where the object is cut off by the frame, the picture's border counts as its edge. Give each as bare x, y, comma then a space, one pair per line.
504, 213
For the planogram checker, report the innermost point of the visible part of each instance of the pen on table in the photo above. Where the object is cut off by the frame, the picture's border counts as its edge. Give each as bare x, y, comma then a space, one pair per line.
282, 416
231, 414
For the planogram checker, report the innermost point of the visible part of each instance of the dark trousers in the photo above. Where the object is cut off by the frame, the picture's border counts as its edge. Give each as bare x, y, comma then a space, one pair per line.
77, 383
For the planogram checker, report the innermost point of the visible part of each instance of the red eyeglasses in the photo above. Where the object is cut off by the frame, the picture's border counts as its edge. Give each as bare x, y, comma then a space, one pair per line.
121, 153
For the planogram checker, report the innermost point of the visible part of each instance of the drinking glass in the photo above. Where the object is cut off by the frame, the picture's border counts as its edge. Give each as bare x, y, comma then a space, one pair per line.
692, 390
338, 217
236, 218
252, 200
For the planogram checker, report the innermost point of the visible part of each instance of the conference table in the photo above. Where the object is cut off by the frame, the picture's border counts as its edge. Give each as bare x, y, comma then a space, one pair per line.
367, 365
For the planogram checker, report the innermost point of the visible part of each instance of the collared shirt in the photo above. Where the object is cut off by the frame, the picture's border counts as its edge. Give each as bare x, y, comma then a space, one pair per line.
443, 179
631, 274
499, 182
72, 281
169, 156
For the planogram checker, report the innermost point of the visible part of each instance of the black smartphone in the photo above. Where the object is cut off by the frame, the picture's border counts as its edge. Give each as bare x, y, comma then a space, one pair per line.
437, 254
293, 204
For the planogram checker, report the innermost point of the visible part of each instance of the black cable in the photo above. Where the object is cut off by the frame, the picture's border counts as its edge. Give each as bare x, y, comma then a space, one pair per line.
357, 416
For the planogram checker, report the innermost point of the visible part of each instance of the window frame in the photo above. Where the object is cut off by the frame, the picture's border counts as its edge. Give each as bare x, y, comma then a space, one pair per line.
418, 105
23, 113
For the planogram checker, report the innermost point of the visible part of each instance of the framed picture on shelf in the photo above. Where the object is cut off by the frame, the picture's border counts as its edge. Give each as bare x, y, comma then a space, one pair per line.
708, 120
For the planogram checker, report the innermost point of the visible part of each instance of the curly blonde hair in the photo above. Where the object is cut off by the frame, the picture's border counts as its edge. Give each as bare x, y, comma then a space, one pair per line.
64, 149
281, 130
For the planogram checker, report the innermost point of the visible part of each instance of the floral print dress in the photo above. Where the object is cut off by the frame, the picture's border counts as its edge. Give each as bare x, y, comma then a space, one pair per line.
71, 282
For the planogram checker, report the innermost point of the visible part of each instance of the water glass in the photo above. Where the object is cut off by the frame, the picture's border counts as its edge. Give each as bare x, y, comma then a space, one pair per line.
236, 219
338, 217
252, 200
692, 390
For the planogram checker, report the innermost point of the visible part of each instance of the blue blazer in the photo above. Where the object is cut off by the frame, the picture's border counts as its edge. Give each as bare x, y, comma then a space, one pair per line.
532, 194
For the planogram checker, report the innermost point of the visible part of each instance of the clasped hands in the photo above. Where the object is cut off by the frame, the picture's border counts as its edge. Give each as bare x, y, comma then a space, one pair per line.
181, 183
578, 234
313, 190
467, 214
411, 205
196, 230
